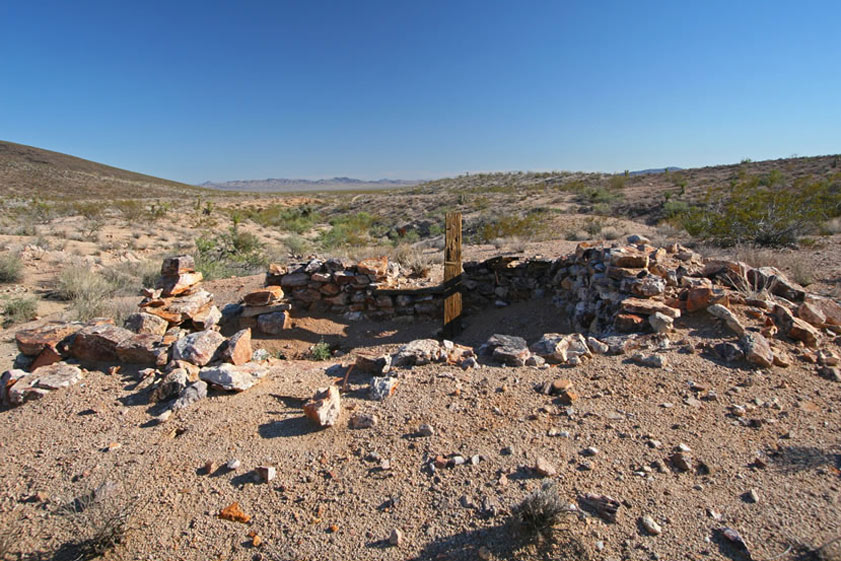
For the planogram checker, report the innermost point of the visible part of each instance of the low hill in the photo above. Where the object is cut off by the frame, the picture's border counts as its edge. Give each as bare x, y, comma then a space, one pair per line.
26, 171
280, 185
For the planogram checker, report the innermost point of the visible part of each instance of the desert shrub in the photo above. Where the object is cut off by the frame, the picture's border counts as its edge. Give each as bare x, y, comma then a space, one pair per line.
611, 233
528, 226
131, 209
538, 512
320, 351
229, 254
593, 226
11, 268
158, 209
673, 208
87, 291
297, 245
617, 181
766, 215
129, 278
19, 310
299, 219
413, 258
348, 231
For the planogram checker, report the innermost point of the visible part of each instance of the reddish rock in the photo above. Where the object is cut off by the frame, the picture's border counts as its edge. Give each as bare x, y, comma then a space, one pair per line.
99, 343
238, 349
143, 322
178, 284
702, 297
253, 311
144, 349
295, 280
325, 406
376, 267
648, 307
376, 365
48, 356
812, 314
757, 350
180, 264
234, 513
829, 308
31, 342
330, 289
275, 274
264, 296
206, 319
628, 323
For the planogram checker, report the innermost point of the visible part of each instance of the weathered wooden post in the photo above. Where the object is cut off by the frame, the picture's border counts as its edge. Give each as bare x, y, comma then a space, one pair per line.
452, 274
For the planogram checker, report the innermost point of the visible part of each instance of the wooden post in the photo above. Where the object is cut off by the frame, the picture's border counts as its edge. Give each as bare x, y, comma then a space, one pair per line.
452, 274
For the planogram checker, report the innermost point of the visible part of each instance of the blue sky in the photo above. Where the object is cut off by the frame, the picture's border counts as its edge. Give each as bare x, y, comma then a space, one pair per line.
208, 90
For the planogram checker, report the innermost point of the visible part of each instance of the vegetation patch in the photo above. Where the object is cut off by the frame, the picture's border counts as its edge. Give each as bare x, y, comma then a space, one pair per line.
11, 268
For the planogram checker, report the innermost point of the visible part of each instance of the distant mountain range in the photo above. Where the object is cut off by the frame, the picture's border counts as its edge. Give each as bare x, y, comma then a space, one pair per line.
654, 170
286, 185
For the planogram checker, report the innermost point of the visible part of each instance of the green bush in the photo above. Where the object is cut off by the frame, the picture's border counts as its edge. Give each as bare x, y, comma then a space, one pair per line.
19, 310
299, 219
349, 231
320, 351
527, 227
229, 254
763, 211
11, 268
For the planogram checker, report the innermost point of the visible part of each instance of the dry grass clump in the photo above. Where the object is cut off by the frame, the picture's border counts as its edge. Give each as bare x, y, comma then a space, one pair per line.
19, 310
11, 268
413, 258
540, 511
96, 294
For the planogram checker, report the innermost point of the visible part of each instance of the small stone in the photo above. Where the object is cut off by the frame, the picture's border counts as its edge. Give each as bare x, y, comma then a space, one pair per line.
484, 553
381, 388
209, 467
363, 421
544, 468
163, 417
324, 407
266, 473
651, 361
752, 496
234, 513
426, 430
652, 527
396, 538
591, 451
233, 464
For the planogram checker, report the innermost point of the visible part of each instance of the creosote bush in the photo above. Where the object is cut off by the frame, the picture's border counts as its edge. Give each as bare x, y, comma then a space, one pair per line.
11, 268
19, 310
320, 351
229, 254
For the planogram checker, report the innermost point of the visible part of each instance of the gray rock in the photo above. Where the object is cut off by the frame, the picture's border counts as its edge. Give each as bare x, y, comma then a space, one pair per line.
651, 361
724, 314
381, 388
191, 394
144, 323
650, 526
757, 350
233, 378
506, 349
175, 382
661, 323
419, 352
426, 430
198, 348
274, 323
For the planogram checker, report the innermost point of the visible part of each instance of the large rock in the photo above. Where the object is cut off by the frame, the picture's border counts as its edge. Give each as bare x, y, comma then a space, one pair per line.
252, 311
178, 284
144, 323
728, 317
198, 348
180, 308
274, 323
171, 386
507, 349
233, 378
237, 350
207, 319
191, 394
376, 365
375, 267
98, 343
42, 381
757, 350
828, 308
32, 341
775, 282
264, 296
178, 265
648, 307
559, 348
295, 280
325, 406
7, 380
419, 352
796, 328
143, 349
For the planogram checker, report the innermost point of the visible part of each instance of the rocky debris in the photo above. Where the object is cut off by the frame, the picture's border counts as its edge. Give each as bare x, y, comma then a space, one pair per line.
382, 387
234, 513
651, 361
604, 506
796, 328
506, 349
18, 386
562, 349
650, 526
375, 365
191, 394
729, 352
231, 377
597, 347
237, 350
50, 355
267, 296
363, 421
233, 464
419, 352
325, 406
99, 343
426, 430
661, 323
171, 386
681, 460
144, 323
198, 348
757, 350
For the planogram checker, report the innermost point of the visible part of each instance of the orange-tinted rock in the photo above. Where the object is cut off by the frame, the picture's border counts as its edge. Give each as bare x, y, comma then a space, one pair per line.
144, 349
629, 322
48, 356
238, 349
324, 407
811, 314
32, 341
178, 284
143, 322
264, 296
234, 513
99, 343
757, 350
375, 267
648, 307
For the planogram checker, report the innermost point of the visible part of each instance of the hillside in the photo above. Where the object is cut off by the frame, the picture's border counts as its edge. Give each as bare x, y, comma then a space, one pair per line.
280, 185
26, 171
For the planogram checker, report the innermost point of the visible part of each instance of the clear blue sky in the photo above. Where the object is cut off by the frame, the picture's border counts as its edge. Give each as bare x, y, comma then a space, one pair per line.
212, 90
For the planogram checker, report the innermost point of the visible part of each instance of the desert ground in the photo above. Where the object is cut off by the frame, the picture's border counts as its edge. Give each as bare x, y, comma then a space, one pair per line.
456, 454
